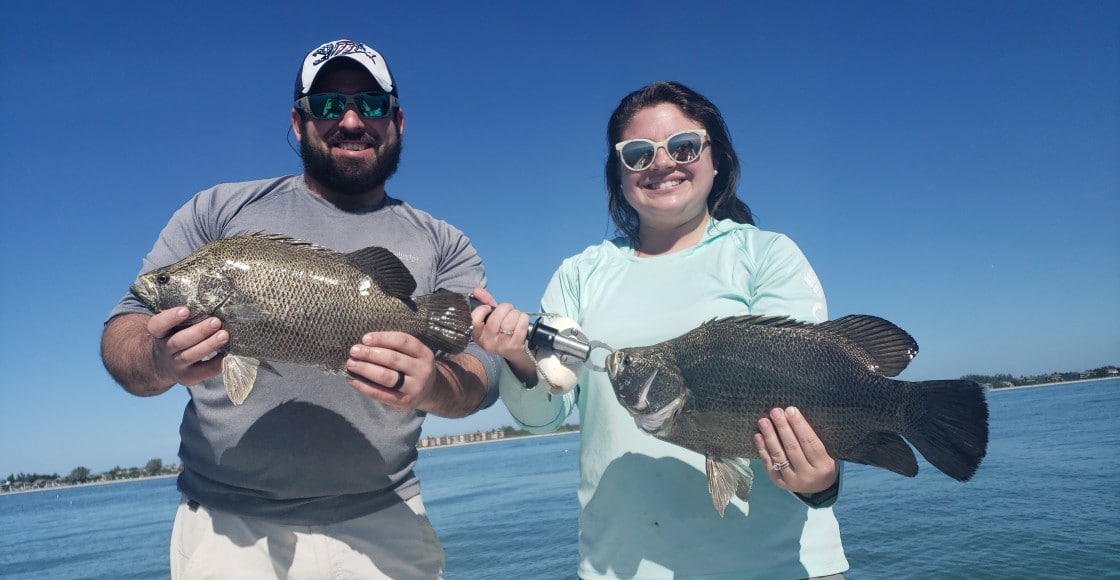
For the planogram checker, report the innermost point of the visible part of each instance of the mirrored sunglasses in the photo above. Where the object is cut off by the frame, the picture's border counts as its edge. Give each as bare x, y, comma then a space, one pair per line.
333, 105
683, 147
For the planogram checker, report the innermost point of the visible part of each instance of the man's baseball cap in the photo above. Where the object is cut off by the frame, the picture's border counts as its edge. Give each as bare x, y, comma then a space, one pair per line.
369, 58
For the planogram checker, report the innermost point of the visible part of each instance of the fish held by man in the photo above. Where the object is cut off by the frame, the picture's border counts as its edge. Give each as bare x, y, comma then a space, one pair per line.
291, 301
705, 391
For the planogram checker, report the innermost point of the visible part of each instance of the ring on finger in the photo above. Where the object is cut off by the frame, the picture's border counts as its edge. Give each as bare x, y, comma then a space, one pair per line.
779, 466
399, 383
505, 332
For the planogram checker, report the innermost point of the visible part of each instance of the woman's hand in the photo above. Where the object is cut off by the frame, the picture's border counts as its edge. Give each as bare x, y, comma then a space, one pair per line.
794, 456
503, 330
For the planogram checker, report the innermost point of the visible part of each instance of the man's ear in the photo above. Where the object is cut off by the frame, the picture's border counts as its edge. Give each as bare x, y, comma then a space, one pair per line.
297, 123
400, 121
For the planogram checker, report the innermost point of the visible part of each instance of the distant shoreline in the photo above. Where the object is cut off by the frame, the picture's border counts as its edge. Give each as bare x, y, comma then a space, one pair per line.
514, 438
87, 484
146, 477
1055, 384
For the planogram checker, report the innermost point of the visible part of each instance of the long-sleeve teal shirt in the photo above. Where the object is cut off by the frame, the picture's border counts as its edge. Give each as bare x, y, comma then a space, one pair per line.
645, 511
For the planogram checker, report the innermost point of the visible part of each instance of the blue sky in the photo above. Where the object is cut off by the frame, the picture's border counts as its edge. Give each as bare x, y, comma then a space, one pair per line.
951, 166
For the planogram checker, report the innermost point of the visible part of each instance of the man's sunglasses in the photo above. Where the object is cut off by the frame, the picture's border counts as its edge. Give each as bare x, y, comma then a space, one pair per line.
683, 147
333, 105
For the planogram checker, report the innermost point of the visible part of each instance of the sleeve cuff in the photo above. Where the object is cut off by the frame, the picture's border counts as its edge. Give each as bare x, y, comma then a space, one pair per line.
493, 365
533, 408
826, 498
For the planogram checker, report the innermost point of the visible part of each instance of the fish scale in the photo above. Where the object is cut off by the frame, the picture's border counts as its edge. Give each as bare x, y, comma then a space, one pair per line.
770, 387
287, 300
707, 389
305, 290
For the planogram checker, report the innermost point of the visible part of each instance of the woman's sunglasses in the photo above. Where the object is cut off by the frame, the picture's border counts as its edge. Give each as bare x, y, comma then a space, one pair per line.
333, 105
683, 147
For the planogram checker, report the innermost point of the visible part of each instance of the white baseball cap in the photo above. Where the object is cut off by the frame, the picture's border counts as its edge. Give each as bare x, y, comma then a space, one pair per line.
358, 52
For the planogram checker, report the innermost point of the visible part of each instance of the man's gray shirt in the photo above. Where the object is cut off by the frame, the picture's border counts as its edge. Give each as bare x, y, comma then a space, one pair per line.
305, 447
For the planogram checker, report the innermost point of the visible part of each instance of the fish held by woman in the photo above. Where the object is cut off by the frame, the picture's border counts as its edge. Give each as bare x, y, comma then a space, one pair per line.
706, 389
291, 301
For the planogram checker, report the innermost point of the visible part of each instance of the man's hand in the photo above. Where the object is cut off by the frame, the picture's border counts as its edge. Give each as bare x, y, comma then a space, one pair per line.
186, 356
149, 354
398, 370
394, 368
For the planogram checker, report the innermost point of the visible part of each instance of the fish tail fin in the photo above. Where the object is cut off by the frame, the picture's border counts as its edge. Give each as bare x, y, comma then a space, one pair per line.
949, 426
447, 321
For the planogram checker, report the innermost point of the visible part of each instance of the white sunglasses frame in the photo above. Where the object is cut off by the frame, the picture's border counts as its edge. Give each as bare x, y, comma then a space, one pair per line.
663, 144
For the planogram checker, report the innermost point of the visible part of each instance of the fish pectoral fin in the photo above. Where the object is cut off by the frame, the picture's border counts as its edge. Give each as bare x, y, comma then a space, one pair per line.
660, 422
728, 477
239, 373
240, 312
886, 450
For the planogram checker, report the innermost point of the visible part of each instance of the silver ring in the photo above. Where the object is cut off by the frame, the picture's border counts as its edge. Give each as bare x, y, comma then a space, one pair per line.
400, 382
780, 466
506, 332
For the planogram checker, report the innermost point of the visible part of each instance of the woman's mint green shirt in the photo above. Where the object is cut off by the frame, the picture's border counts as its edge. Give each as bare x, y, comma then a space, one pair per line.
645, 511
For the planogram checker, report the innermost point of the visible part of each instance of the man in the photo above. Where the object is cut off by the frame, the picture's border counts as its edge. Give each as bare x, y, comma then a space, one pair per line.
310, 477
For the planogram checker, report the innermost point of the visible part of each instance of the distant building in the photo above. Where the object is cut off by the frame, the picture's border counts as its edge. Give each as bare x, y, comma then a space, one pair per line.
476, 437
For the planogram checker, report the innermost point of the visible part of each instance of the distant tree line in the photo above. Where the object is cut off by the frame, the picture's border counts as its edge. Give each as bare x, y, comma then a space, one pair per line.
996, 381
1006, 380
24, 481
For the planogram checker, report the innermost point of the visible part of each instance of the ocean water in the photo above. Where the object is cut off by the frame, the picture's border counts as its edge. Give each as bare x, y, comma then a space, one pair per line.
1044, 504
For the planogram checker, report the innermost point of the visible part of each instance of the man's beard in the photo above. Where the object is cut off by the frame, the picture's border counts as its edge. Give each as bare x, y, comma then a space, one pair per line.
349, 178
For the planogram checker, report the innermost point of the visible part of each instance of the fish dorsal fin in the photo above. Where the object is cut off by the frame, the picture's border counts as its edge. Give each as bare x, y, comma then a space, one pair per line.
760, 320
386, 269
889, 348
286, 239
886, 348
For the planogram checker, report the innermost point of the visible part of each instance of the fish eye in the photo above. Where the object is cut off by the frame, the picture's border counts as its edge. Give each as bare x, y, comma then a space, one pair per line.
626, 360
163, 278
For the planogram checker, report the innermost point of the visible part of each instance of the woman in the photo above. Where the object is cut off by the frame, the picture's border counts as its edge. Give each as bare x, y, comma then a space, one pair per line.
688, 252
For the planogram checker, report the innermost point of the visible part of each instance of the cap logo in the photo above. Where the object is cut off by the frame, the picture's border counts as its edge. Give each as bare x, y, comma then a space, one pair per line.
342, 48
358, 52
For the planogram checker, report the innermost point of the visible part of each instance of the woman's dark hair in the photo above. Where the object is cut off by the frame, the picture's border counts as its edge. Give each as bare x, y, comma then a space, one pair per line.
723, 203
